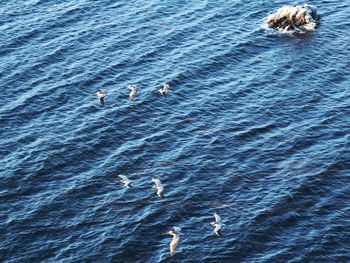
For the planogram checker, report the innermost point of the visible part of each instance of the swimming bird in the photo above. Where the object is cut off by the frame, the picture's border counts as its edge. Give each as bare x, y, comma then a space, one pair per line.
165, 90
176, 238
217, 224
101, 96
159, 186
124, 180
133, 92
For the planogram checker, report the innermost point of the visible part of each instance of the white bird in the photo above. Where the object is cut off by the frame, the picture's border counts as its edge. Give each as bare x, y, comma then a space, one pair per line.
176, 238
133, 92
124, 180
101, 96
159, 186
217, 224
165, 90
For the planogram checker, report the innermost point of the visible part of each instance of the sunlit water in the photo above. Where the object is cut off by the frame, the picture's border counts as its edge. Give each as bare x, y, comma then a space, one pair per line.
256, 128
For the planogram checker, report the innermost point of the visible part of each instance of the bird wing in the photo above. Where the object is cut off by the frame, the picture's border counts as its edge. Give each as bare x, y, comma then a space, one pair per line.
157, 182
127, 181
160, 188
177, 229
133, 91
218, 227
173, 245
217, 218
218, 232
123, 177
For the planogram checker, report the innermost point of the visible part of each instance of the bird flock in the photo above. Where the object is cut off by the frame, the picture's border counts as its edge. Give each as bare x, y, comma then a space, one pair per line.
217, 224
158, 186
101, 93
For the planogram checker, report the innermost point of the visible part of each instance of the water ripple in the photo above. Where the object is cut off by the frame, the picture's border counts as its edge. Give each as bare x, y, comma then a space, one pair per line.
255, 128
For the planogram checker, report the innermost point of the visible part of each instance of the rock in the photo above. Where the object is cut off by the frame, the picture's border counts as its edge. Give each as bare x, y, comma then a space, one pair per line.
294, 18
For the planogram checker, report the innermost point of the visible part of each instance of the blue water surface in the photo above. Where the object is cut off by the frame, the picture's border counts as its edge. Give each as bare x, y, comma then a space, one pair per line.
255, 128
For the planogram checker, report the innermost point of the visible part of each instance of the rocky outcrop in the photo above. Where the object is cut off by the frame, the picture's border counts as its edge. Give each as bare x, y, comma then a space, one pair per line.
294, 18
